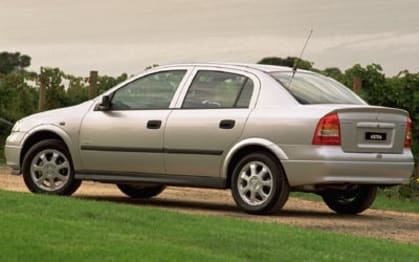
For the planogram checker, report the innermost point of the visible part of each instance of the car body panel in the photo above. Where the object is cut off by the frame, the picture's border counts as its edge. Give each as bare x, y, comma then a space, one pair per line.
121, 141
64, 122
274, 120
198, 132
254, 141
314, 172
13, 148
387, 124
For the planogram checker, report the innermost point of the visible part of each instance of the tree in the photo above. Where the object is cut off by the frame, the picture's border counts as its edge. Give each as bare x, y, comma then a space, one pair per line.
55, 90
10, 62
289, 61
17, 97
375, 88
77, 91
107, 82
334, 73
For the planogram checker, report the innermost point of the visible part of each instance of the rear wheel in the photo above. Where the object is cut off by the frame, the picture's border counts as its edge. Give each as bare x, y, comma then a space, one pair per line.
259, 185
47, 169
141, 191
353, 201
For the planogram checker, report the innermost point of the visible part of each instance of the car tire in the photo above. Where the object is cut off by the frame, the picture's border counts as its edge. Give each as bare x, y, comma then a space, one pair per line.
352, 201
259, 184
141, 191
48, 169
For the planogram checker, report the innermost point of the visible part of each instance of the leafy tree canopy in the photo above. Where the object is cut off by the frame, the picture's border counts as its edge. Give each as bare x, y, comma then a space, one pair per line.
288, 61
10, 62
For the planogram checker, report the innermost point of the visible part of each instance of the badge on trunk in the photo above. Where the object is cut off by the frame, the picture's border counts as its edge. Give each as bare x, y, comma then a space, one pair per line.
375, 136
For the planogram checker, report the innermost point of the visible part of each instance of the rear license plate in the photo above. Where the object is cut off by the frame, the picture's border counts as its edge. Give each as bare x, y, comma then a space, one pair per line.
375, 136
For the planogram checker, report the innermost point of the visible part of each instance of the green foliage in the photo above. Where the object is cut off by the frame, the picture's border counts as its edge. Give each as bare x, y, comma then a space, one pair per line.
55, 90
410, 191
106, 82
151, 66
11, 62
374, 86
51, 228
334, 73
18, 98
77, 90
288, 61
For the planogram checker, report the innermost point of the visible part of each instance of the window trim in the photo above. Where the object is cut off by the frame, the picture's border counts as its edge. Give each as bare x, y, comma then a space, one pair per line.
240, 93
233, 72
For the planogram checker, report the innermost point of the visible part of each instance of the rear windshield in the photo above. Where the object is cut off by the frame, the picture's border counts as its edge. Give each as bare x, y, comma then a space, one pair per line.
312, 88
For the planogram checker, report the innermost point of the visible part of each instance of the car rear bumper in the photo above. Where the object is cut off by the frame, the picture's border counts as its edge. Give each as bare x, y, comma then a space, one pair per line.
378, 169
325, 172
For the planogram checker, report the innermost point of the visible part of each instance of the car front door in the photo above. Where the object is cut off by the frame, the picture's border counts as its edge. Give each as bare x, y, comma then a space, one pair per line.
129, 136
208, 120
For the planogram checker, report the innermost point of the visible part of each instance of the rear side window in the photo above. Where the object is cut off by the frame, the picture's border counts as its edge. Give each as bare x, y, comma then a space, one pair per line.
214, 89
311, 88
154, 91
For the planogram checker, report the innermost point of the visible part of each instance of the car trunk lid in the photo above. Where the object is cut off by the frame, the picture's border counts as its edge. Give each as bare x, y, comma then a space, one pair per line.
368, 129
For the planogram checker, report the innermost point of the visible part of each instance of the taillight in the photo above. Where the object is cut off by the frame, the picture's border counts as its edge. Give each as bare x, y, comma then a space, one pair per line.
408, 138
327, 131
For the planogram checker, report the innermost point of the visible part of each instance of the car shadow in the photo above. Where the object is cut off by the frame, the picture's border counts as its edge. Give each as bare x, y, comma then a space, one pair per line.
227, 209
167, 203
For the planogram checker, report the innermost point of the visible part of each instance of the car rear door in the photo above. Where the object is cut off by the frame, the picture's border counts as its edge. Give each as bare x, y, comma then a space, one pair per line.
129, 136
208, 121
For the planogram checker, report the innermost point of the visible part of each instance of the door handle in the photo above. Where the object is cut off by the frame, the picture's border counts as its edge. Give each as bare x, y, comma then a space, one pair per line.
227, 124
154, 124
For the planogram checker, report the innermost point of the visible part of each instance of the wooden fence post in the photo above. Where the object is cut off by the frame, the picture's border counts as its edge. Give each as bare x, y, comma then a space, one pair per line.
92, 84
42, 91
356, 83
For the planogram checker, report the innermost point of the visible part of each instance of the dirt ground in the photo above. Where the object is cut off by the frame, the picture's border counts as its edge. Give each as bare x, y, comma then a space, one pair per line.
397, 226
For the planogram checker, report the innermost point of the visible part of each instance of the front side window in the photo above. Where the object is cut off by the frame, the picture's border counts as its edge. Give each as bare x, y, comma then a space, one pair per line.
311, 88
153, 91
214, 89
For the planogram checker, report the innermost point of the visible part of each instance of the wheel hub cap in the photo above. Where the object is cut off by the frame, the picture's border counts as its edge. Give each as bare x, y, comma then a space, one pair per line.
255, 183
50, 170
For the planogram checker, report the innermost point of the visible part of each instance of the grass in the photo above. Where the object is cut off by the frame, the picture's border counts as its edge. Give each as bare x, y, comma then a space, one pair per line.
49, 228
381, 202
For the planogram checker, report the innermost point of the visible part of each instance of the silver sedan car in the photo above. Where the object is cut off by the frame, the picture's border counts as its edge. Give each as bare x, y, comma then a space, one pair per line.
261, 131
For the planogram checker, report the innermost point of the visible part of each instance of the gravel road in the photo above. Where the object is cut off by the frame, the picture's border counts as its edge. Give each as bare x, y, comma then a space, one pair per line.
397, 226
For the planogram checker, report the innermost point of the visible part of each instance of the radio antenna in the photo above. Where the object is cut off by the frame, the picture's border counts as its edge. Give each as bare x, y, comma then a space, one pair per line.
294, 67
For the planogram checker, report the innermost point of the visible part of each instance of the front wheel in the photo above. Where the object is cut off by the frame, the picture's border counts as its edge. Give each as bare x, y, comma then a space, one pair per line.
259, 185
141, 191
353, 201
47, 169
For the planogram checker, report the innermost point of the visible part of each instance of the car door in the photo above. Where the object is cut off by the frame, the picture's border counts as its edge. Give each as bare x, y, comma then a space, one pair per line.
129, 136
208, 120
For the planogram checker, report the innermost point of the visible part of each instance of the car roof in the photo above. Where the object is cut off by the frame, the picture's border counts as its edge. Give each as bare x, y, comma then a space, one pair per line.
259, 67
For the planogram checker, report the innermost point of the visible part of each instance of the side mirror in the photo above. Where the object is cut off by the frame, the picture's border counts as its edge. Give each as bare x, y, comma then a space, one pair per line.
105, 105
